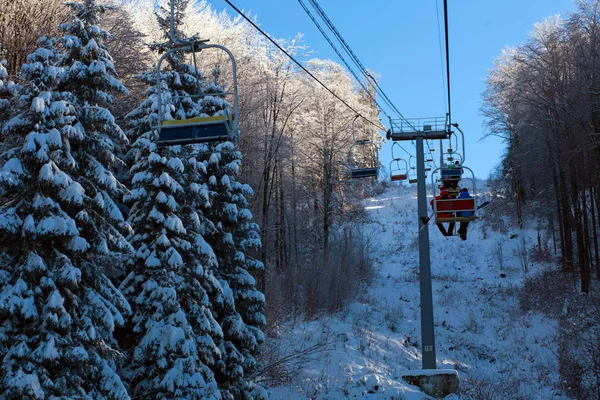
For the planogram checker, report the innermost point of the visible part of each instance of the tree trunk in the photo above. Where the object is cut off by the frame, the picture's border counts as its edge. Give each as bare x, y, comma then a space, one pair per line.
326, 199
567, 246
595, 222
579, 236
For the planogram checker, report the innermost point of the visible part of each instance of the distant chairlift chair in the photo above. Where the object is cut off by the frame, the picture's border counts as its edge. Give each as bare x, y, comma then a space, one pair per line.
397, 171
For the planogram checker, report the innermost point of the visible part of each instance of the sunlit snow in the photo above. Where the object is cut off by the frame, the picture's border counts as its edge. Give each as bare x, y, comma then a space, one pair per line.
480, 332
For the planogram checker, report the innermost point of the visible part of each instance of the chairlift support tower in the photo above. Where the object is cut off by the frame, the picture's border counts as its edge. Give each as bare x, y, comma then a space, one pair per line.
418, 130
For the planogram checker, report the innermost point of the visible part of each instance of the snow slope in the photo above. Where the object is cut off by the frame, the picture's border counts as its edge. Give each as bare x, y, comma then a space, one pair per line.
480, 331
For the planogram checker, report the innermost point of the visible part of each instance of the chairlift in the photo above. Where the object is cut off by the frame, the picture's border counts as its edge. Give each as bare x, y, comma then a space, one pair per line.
412, 171
221, 127
397, 172
452, 209
363, 158
412, 177
429, 155
451, 173
410, 164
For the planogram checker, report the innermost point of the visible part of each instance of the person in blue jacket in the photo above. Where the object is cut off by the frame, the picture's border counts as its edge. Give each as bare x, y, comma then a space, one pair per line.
462, 229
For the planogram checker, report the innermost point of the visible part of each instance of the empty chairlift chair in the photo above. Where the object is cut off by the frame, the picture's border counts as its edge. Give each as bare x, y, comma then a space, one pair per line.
412, 171
364, 160
220, 127
398, 170
413, 178
216, 128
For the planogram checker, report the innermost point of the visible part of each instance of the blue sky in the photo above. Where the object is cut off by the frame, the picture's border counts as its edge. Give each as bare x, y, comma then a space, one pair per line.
398, 40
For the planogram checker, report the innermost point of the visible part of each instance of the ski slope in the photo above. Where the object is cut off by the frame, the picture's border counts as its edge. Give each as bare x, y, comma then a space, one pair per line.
499, 351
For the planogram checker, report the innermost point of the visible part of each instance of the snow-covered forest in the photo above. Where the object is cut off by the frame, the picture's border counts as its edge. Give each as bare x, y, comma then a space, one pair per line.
256, 269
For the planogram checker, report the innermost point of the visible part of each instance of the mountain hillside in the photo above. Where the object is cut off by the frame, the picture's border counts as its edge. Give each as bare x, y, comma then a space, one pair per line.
499, 350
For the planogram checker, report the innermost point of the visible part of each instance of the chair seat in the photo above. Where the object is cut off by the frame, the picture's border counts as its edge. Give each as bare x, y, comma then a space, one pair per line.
195, 130
364, 172
452, 206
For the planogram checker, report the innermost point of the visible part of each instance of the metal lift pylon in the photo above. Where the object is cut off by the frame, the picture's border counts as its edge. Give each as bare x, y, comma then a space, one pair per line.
417, 130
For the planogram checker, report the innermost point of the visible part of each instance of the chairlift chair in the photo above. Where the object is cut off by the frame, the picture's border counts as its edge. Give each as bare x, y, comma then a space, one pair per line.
364, 160
429, 156
412, 174
220, 127
446, 210
412, 170
397, 172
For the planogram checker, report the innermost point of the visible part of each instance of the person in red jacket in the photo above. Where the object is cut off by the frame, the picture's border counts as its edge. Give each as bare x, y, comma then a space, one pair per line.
444, 195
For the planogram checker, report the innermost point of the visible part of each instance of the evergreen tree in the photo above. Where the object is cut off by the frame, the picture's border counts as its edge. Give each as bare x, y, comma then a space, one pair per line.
240, 312
90, 76
7, 89
174, 265
175, 335
58, 309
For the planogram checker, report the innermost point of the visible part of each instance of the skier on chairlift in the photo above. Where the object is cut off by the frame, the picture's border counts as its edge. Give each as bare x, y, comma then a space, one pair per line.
462, 229
444, 195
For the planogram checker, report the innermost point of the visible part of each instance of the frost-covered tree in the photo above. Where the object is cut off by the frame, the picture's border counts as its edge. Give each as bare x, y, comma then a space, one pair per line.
58, 309
173, 337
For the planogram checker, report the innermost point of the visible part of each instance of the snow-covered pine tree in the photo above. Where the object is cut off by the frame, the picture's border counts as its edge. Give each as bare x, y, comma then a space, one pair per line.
241, 310
176, 341
7, 88
89, 75
239, 307
58, 309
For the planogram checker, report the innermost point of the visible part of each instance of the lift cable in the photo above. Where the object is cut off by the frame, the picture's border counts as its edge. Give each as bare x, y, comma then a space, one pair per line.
360, 66
377, 125
407, 152
340, 56
367, 76
437, 10
447, 60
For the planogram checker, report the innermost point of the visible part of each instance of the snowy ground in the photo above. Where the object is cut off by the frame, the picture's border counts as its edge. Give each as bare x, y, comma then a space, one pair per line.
500, 352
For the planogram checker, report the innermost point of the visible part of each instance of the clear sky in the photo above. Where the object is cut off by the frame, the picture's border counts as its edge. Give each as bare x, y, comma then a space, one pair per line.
398, 40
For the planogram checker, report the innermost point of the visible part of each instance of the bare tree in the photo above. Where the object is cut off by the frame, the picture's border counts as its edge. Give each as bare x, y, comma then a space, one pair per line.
22, 23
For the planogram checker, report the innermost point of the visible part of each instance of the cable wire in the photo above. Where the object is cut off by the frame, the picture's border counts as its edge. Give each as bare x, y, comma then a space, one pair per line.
437, 11
340, 55
360, 66
447, 60
378, 126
